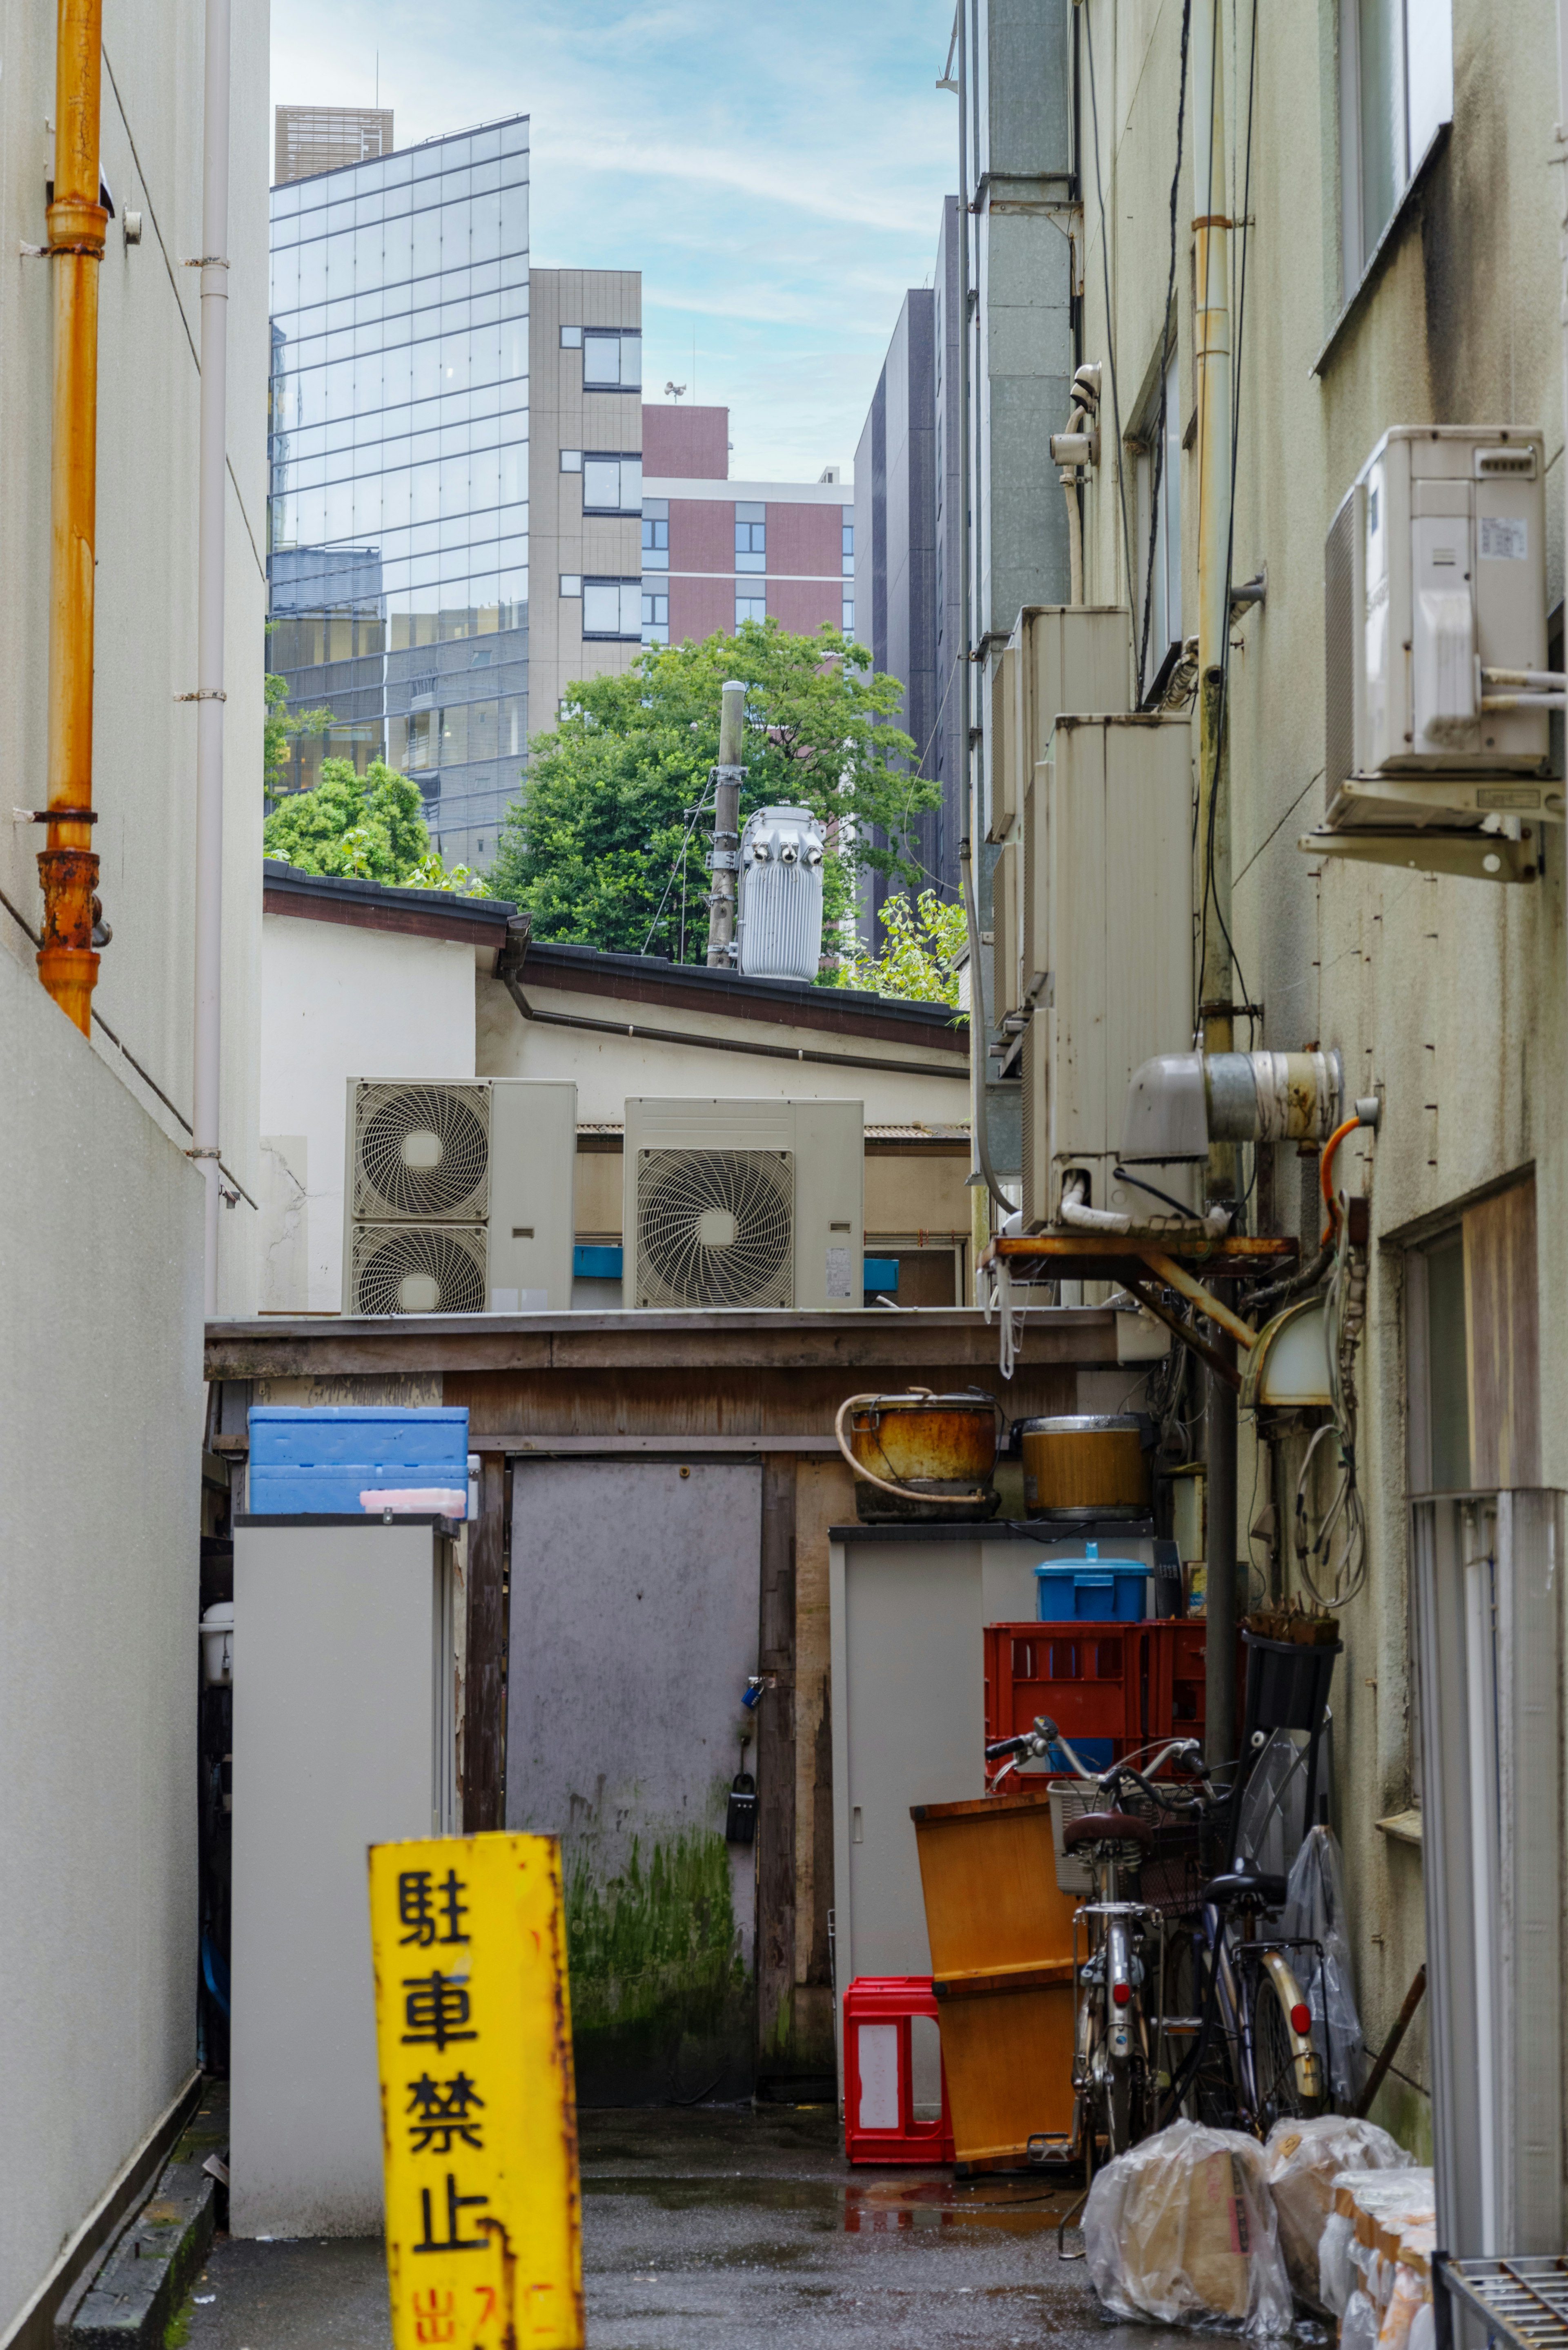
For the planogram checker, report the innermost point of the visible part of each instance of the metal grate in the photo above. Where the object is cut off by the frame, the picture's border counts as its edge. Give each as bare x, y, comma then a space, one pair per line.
1524, 2300
716, 1228
422, 1153
414, 1269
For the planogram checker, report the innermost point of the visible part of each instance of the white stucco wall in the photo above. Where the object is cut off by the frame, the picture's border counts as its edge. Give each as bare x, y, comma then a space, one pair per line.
100, 1233
340, 1003
607, 1069
100, 1398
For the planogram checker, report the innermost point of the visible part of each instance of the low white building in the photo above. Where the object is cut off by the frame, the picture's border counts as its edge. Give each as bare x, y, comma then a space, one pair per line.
358, 981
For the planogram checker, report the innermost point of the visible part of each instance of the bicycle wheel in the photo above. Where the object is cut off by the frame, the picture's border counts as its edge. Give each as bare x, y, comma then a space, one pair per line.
1278, 2090
1202, 2064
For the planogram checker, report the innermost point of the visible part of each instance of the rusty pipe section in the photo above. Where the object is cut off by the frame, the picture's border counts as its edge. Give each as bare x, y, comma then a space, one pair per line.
1272, 1096
67, 868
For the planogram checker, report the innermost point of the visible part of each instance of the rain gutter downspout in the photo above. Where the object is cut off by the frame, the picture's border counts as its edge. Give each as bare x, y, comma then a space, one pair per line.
210, 569
68, 866
1211, 230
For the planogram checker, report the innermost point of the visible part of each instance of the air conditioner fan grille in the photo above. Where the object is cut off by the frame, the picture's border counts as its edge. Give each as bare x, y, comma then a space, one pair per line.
716, 1228
421, 1151
419, 1268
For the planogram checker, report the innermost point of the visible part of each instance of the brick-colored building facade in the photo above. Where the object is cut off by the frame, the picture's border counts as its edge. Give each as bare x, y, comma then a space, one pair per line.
716, 552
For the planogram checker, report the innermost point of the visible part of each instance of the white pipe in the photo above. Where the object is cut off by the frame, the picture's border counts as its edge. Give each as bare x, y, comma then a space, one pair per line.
1490, 702
210, 569
1089, 1220
1544, 681
1069, 481
1211, 227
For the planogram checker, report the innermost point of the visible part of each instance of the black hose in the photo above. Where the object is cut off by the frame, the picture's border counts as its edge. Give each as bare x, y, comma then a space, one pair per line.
1297, 1283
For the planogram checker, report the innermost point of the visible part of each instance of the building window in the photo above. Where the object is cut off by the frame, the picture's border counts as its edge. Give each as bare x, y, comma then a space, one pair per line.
611, 484
1396, 95
612, 361
1164, 515
655, 615
750, 607
613, 607
571, 461
571, 339
655, 538
849, 616
751, 536
850, 542
571, 583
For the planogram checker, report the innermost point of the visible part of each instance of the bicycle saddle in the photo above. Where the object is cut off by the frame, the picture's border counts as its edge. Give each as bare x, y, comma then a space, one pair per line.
1244, 1889
1108, 1827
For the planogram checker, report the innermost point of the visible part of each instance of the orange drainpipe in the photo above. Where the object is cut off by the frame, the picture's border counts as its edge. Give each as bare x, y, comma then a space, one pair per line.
67, 868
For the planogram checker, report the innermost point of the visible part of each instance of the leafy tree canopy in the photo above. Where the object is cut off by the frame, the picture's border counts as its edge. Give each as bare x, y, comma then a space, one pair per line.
281, 727
368, 827
920, 957
609, 847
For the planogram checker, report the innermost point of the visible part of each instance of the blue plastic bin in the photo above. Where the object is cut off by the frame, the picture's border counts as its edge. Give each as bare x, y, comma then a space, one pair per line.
1091, 1589
321, 1461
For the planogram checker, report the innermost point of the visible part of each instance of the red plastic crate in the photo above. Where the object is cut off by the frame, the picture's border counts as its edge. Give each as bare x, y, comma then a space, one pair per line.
879, 2122
1173, 1676
1084, 1676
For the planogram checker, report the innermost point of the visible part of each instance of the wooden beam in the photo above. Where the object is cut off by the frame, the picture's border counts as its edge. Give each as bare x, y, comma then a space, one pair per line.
484, 1703
776, 1771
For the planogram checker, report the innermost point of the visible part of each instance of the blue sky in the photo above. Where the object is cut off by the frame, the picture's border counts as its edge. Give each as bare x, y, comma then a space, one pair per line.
776, 174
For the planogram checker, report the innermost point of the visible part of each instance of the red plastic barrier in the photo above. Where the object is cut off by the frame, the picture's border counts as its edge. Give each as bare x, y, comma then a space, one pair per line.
880, 2123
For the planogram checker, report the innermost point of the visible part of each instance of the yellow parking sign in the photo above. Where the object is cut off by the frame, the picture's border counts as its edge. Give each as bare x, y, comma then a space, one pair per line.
478, 2108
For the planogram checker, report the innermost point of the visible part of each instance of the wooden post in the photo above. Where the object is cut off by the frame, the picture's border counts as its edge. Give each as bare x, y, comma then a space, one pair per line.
776, 1771
484, 1709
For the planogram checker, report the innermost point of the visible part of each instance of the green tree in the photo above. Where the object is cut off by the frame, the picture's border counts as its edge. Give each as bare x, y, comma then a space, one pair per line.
368, 827
920, 957
609, 846
281, 729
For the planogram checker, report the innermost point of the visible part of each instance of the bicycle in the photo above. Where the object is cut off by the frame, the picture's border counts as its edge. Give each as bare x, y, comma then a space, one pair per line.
1113, 2070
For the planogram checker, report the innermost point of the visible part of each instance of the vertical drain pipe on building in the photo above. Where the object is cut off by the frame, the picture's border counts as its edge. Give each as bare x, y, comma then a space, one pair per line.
68, 866
212, 462
1211, 230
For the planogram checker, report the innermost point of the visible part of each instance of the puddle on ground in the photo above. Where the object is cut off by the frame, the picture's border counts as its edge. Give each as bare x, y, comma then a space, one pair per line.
1016, 2206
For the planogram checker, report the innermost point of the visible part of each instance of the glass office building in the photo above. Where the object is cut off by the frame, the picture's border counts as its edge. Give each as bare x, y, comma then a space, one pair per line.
398, 518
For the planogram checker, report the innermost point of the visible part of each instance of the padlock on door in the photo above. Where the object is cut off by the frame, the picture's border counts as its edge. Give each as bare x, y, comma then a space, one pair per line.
741, 1817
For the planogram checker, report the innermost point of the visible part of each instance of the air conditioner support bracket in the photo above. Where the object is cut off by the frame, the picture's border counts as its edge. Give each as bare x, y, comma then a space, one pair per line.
1146, 1263
1479, 795
1473, 856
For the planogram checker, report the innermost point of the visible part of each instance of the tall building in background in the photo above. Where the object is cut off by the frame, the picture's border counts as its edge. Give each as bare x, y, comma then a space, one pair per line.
585, 479
399, 515
896, 570
312, 138
717, 552
948, 761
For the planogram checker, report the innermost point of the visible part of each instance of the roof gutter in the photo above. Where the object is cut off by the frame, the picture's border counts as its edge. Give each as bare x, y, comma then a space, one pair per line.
509, 961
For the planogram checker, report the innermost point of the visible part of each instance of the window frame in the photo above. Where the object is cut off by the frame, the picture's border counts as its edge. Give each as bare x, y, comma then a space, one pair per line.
625, 589
1418, 141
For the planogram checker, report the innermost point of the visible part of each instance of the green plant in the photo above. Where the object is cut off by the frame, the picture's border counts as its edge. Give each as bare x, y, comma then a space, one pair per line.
281, 728
368, 827
609, 845
920, 960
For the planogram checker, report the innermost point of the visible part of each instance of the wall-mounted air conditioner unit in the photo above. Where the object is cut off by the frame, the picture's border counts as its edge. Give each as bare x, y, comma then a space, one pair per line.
744, 1203
1108, 904
1435, 620
779, 926
458, 1196
1059, 657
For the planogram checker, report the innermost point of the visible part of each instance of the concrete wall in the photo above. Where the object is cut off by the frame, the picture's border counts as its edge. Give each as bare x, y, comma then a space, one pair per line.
100, 1240
100, 1400
1448, 994
689, 442
606, 1069
339, 1003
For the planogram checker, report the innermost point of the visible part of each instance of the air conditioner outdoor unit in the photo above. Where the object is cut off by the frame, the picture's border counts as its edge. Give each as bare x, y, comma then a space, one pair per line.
744, 1203
1435, 578
1108, 905
457, 1196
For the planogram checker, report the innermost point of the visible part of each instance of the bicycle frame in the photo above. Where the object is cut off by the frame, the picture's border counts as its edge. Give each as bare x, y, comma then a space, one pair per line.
1229, 1955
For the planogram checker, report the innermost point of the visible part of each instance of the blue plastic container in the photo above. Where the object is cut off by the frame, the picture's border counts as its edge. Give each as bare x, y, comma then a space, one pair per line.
320, 1462
1091, 1589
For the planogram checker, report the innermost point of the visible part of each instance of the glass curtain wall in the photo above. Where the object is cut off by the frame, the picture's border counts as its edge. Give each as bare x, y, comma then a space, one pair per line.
398, 518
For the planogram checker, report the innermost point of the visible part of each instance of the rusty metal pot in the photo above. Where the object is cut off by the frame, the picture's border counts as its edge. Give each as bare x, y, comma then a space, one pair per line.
918, 1457
1085, 1465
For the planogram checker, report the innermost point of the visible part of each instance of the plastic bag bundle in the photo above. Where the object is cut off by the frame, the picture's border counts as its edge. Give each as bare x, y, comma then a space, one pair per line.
1304, 2158
1336, 2279
1180, 2230
1315, 1908
1409, 2294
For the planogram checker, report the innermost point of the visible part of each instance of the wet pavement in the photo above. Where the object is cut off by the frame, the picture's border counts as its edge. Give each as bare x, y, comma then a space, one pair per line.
726, 2225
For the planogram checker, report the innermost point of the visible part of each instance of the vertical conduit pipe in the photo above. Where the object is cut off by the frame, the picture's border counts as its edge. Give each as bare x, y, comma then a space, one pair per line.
210, 569
67, 868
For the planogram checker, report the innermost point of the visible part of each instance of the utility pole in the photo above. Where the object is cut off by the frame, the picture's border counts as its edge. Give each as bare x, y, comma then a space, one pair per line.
1211, 230
726, 859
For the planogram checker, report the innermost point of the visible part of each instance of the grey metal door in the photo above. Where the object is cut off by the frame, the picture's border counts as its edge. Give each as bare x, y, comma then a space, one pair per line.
633, 1627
